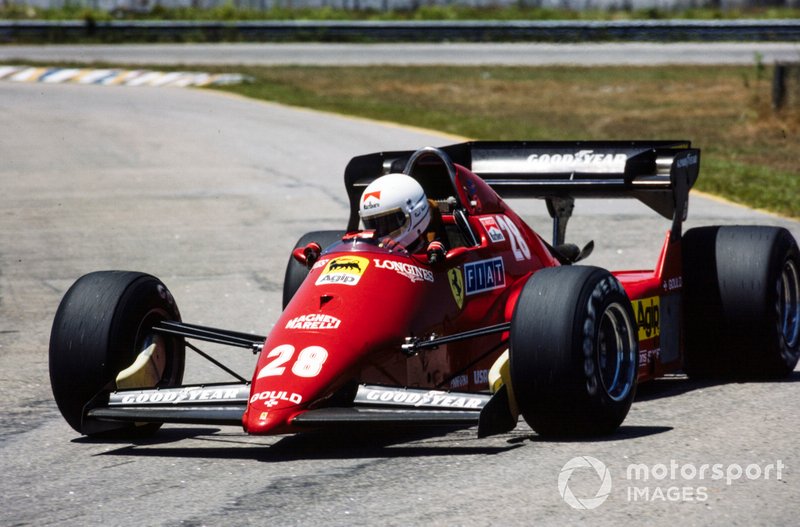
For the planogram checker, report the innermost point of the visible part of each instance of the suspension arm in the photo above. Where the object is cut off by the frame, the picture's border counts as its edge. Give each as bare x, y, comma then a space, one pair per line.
218, 336
414, 344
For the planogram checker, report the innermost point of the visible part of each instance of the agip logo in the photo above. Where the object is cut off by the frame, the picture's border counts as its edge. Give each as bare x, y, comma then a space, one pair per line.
344, 270
647, 313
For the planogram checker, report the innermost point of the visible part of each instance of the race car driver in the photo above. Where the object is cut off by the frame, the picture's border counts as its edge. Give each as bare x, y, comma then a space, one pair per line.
396, 213
396, 208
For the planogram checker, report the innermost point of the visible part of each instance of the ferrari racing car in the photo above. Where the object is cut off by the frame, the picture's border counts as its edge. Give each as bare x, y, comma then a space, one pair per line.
438, 305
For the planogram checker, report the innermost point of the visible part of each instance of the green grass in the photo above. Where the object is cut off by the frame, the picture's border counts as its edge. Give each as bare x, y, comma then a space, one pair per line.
229, 12
749, 152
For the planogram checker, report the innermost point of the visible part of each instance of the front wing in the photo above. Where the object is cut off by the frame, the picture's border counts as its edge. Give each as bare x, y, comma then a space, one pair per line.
224, 404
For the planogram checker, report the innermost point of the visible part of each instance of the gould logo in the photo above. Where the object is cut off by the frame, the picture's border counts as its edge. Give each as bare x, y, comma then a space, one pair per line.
647, 317
344, 270
272, 398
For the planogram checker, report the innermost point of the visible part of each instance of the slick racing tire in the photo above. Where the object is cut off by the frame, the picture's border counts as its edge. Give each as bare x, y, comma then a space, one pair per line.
573, 352
297, 272
741, 288
102, 324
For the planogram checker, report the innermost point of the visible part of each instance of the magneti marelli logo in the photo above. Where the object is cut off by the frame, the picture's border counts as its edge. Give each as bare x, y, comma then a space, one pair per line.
600, 472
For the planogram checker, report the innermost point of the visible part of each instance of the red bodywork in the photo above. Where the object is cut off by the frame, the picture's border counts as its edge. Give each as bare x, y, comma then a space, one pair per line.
359, 303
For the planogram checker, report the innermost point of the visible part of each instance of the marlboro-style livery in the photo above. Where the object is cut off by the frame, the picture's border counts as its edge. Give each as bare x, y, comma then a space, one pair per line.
475, 322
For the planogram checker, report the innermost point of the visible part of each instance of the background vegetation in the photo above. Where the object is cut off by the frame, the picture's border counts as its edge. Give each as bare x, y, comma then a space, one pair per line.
749, 151
230, 12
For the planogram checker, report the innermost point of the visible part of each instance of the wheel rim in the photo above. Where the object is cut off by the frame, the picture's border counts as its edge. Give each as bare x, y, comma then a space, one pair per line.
159, 356
616, 352
789, 303
164, 356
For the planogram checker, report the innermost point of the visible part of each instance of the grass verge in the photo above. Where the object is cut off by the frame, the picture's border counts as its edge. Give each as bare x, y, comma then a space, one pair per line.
749, 151
229, 11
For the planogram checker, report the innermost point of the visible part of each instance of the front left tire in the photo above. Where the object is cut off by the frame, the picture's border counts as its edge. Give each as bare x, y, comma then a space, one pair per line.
573, 352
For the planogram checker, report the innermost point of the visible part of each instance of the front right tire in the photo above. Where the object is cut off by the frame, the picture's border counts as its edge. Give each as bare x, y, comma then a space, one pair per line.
295, 271
102, 324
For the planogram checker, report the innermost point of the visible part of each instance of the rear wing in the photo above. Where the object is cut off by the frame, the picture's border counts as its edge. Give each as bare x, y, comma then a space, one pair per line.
657, 173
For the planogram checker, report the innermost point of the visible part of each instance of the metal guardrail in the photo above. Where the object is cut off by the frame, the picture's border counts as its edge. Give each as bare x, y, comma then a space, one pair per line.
417, 31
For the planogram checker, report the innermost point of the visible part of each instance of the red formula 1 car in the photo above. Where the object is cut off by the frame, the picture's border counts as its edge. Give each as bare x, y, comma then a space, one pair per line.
493, 324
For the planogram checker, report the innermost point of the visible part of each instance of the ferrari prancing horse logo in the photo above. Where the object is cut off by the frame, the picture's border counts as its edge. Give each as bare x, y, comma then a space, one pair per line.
456, 286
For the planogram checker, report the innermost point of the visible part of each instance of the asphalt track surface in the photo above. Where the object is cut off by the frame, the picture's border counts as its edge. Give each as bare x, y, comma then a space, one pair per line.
209, 192
508, 54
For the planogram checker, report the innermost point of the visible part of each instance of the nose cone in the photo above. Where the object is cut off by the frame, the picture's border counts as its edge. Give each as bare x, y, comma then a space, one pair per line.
297, 368
277, 391
352, 306
262, 422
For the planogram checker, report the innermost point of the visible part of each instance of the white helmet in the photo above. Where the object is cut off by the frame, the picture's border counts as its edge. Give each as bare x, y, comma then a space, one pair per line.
395, 205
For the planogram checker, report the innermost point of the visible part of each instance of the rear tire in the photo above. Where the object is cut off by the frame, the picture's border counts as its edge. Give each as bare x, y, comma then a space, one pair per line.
742, 302
297, 272
573, 352
101, 326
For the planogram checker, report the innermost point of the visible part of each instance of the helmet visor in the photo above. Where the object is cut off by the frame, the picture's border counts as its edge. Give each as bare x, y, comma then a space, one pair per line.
386, 224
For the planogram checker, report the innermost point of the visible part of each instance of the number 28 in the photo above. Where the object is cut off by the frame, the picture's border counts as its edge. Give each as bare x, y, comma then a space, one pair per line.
308, 364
